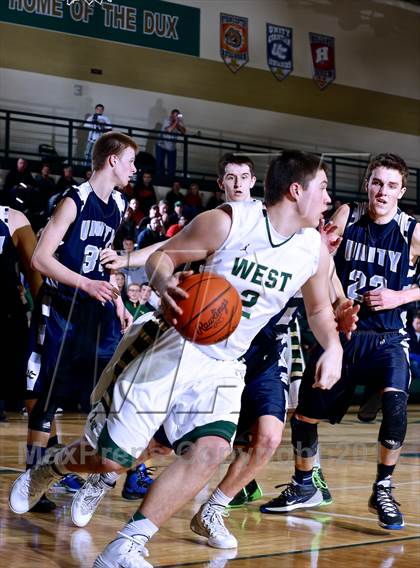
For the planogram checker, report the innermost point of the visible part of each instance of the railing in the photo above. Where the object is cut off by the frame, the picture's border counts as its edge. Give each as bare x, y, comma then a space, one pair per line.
22, 132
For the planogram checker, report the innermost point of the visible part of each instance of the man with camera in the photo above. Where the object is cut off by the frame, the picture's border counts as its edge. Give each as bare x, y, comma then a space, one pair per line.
97, 123
166, 144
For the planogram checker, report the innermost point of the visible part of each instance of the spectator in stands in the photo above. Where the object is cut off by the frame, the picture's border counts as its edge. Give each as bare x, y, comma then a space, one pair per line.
215, 200
153, 212
130, 224
174, 195
17, 175
88, 174
153, 233
45, 189
97, 123
164, 213
145, 192
414, 333
132, 274
178, 213
173, 126
66, 180
120, 282
193, 201
174, 229
138, 299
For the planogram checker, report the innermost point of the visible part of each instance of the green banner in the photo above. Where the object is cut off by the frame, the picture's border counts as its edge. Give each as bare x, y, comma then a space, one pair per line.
147, 23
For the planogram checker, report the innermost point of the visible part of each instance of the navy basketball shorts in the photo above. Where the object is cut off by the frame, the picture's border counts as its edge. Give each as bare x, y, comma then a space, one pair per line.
266, 385
377, 360
69, 344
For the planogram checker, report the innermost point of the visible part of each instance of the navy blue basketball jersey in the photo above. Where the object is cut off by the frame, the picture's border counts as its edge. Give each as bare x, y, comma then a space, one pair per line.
373, 256
9, 270
92, 230
279, 324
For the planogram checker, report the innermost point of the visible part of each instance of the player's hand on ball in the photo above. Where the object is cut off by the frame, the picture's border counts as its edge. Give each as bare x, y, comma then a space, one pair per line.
328, 368
346, 317
172, 294
109, 259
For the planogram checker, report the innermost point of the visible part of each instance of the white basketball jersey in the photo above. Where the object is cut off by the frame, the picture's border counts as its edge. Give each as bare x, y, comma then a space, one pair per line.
266, 268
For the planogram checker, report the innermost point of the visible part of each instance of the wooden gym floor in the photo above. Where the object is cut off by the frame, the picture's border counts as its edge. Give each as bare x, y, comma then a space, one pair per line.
326, 537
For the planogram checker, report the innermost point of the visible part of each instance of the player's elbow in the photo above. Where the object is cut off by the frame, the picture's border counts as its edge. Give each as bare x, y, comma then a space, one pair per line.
36, 263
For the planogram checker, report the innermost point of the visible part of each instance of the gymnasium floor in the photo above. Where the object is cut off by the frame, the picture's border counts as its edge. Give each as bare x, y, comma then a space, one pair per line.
342, 532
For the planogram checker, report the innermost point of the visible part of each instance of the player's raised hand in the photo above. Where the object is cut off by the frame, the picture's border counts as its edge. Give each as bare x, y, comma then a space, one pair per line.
328, 368
329, 236
346, 317
171, 294
109, 259
383, 299
100, 290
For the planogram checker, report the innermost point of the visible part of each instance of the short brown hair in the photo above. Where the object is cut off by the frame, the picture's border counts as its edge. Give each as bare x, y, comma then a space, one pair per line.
108, 144
230, 158
292, 166
391, 162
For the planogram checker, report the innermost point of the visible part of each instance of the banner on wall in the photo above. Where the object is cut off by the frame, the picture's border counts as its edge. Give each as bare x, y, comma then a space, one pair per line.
149, 23
234, 41
279, 51
323, 59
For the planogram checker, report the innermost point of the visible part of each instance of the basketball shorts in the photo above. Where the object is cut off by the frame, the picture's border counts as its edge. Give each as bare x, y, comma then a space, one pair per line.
70, 343
376, 360
157, 378
266, 384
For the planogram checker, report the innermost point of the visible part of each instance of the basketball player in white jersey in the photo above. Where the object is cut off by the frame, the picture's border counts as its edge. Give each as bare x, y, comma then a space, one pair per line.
284, 254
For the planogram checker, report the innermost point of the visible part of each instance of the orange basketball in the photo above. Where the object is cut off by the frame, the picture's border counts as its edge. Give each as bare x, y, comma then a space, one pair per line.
212, 311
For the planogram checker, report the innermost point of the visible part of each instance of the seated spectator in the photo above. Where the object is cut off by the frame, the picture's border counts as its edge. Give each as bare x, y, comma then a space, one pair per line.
132, 273
164, 213
178, 213
215, 200
414, 354
138, 299
66, 180
144, 192
45, 189
17, 175
174, 195
120, 281
153, 212
174, 229
153, 233
193, 201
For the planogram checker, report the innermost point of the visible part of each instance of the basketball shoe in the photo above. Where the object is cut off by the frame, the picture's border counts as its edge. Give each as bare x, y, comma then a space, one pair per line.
87, 499
124, 552
137, 482
30, 486
71, 483
295, 496
384, 505
208, 522
319, 481
251, 492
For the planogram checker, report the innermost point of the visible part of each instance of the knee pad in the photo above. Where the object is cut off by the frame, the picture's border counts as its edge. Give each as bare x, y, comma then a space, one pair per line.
394, 419
40, 419
304, 438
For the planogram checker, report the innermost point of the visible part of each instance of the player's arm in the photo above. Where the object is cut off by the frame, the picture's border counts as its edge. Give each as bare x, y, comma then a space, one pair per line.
113, 261
200, 238
25, 241
386, 299
126, 319
322, 323
44, 260
344, 309
332, 232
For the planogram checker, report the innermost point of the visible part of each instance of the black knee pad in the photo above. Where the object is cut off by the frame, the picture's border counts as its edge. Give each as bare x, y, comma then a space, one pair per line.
394, 419
304, 438
40, 418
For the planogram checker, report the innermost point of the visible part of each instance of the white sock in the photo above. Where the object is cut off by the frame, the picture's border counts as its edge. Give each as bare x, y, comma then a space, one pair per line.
141, 528
317, 459
110, 478
219, 498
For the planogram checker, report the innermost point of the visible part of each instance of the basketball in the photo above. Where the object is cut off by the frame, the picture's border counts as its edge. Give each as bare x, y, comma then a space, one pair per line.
212, 311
